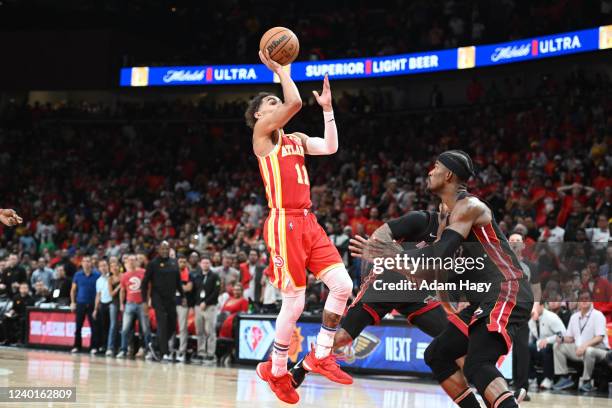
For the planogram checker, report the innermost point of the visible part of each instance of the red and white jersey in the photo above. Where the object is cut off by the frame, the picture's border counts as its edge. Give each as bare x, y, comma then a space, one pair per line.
284, 174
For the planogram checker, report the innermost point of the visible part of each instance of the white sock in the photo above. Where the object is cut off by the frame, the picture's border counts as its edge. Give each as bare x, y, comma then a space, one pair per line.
280, 354
325, 341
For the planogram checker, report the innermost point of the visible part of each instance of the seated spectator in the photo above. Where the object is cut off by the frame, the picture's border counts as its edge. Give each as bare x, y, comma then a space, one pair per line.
60, 290
600, 289
605, 270
234, 304
585, 340
543, 332
41, 293
42, 273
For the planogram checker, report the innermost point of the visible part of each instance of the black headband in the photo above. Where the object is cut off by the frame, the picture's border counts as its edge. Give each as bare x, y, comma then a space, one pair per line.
458, 162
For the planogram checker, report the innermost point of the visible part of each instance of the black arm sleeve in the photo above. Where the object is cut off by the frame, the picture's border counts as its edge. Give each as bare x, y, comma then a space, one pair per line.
409, 226
447, 245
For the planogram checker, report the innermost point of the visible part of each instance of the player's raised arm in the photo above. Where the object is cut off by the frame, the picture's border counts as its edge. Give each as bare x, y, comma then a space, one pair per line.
329, 143
277, 118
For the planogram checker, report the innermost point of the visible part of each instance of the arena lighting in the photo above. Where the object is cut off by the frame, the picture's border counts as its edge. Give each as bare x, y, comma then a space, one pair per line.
528, 49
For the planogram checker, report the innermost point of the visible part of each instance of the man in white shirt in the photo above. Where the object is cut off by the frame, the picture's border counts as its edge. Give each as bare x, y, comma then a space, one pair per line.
601, 235
585, 340
543, 332
553, 234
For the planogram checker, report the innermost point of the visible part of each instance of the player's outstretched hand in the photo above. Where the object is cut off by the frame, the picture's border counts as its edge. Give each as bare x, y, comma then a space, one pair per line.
369, 249
325, 99
9, 217
269, 62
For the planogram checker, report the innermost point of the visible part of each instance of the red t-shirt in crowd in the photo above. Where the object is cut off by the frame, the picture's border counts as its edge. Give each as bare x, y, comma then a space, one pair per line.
131, 282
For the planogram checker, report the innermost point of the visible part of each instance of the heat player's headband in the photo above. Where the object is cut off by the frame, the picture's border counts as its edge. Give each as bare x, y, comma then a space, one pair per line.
459, 162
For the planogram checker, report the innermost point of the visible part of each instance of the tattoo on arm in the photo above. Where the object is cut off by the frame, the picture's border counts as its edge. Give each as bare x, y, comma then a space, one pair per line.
383, 233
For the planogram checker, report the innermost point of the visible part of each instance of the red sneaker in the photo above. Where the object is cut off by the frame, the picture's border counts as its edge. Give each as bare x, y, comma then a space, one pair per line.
327, 367
281, 386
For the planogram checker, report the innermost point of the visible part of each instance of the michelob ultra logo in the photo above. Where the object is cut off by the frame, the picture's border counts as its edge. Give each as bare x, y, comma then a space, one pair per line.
605, 37
140, 76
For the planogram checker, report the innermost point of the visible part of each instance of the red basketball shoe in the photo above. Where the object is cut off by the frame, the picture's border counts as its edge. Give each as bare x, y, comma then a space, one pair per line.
281, 386
327, 367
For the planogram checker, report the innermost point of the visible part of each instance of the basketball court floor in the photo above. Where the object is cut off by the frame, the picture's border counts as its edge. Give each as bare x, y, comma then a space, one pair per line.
107, 382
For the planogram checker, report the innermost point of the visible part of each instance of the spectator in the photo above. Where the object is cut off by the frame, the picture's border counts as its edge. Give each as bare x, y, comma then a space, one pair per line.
599, 235
251, 273
27, 243
184, 303
543, 332
270, 295
82, 301
228, 274
253, 210
235, 303
102, 306
42, 273
586, 340
133, 306
558, 307
206, 288
41, 293
552, 234
60, 291
373, 222
114, 286
605, 270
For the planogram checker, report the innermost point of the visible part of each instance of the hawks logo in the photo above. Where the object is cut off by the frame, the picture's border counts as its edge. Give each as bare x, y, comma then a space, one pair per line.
295, 346
253, 336
362, 347
278, 260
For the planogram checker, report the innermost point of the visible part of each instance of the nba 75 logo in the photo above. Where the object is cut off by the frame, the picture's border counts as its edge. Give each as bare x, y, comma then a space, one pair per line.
253, 335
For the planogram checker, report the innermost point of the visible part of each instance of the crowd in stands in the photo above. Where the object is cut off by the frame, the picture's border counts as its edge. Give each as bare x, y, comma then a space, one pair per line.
94, 184
227, 32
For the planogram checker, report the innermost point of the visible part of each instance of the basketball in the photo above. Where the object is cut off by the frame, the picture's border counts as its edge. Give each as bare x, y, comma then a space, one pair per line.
281, 43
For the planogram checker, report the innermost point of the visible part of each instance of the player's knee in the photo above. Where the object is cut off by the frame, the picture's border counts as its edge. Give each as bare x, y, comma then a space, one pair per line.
340, 283
470, 368
437, 360
480, 373
293, 306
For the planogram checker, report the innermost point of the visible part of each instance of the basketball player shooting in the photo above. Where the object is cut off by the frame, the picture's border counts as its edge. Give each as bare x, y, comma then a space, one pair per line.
483, 333
294, 239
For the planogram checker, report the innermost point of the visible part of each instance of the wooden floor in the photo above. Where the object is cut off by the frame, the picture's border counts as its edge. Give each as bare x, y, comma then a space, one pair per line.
107, 382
